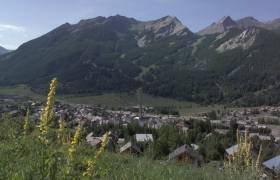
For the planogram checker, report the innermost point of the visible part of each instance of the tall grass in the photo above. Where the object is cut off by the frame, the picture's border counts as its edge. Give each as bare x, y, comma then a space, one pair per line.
27, 123
243, 161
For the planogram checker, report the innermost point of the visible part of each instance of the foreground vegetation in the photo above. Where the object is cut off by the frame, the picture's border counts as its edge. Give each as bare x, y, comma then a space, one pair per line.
25, 157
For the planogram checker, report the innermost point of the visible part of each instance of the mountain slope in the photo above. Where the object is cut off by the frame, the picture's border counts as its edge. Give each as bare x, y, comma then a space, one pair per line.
3, 50
89, 55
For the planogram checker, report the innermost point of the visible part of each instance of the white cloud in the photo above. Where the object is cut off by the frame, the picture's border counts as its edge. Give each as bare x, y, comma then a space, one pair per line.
8, 27
11, 36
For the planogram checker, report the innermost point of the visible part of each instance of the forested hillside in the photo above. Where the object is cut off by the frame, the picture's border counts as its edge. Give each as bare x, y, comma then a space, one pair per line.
239, 64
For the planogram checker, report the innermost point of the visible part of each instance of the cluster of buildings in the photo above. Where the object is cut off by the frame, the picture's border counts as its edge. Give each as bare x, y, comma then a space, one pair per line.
262, 122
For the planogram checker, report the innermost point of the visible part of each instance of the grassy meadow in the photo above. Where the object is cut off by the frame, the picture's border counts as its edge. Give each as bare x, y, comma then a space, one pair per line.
115, 100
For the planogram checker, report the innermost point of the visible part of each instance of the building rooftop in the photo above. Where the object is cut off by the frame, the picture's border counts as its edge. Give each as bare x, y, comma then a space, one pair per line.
144, 137
231, 150
273, 164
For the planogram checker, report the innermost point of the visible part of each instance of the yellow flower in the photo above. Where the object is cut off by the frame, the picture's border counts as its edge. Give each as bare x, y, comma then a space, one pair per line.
61, 130
26, 126
91, 164
242, 160
74, 143
47, 112
259, 158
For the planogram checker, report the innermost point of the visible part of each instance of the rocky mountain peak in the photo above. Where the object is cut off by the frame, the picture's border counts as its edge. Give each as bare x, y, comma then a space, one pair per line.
227, 21
102, 20
219, 27
165, 26
99, 19
170, 19
249, 21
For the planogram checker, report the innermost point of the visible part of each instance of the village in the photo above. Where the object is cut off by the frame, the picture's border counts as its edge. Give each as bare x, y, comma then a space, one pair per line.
261, 123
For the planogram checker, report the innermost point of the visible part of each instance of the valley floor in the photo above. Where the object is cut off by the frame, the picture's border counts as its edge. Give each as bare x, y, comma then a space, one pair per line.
115, 100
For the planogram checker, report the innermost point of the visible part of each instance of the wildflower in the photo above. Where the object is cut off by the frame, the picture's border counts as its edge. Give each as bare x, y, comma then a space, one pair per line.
242, 160
26, 126
47, 112
259, 158
91, 164
74, 143
61, 133
73, 149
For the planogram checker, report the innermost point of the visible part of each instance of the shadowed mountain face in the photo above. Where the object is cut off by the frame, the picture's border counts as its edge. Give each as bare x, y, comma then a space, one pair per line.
117, 53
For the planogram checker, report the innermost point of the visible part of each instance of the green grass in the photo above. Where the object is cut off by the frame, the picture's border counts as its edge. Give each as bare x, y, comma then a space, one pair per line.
20, 90
125, 99
127, 167
115, 100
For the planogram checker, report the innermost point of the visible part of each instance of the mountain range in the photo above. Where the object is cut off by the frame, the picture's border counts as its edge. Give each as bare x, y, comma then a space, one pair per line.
227, 22
229, 61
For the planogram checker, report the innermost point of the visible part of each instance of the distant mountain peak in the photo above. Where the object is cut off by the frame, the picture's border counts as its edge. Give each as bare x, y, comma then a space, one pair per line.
227, 22
163, 27
3, 50
226, 19
249, 21
112, 19
274, 24
168, 25
169, 18
219, 27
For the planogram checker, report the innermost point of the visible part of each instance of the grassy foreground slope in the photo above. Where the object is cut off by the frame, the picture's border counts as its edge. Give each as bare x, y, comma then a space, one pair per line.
24, 157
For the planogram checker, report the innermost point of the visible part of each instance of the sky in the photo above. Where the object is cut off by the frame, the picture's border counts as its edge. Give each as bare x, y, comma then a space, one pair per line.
23, 20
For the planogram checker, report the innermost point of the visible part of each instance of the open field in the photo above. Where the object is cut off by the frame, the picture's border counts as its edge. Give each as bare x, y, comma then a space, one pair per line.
20, 90
115, 100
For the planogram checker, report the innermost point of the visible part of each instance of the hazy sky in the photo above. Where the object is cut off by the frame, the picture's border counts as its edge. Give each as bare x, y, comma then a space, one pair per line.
22, 20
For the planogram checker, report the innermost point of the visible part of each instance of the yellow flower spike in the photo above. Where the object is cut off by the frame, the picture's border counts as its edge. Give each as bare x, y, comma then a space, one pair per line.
72, 151
26, 126
47, 113
242, 160
61, 131
74, 143
259, 158
246, 136
91, 164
